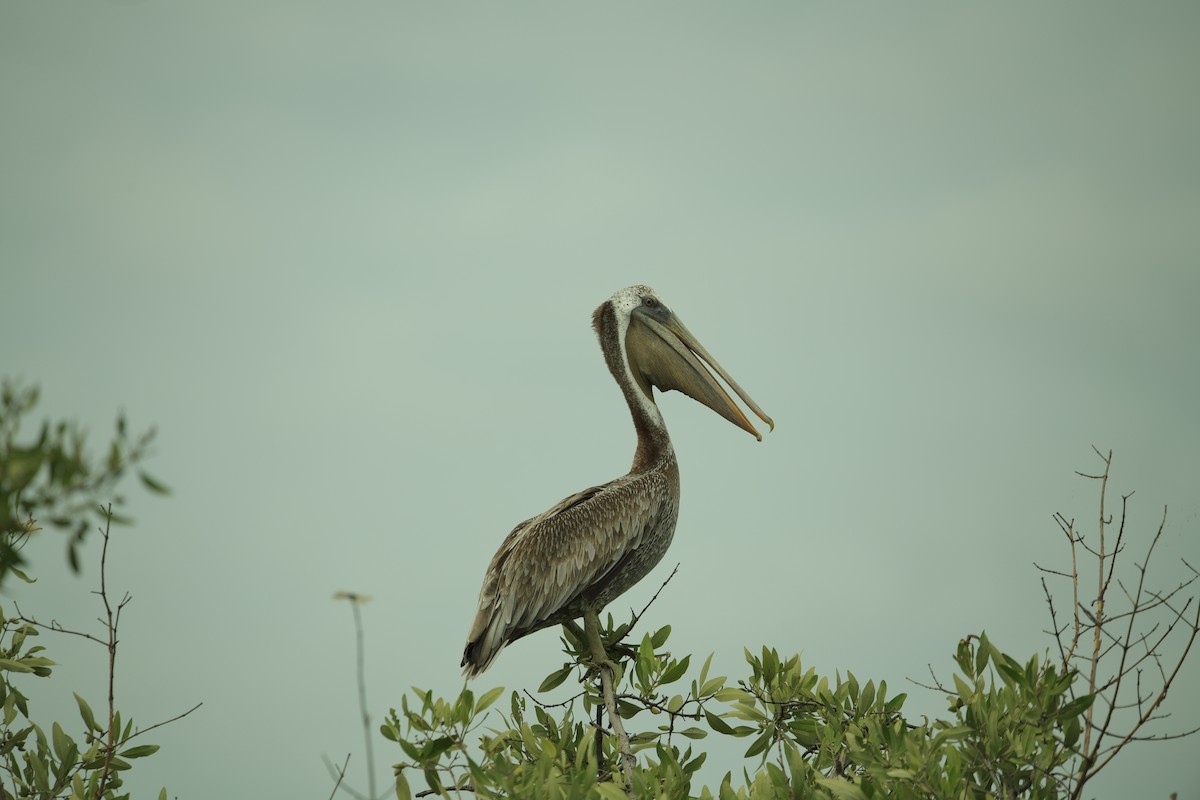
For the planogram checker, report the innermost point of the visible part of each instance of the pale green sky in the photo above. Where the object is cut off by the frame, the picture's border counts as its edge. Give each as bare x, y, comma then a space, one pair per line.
344, 256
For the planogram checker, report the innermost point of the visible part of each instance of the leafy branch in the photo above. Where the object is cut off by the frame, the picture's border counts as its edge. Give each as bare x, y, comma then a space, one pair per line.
61, 764
53, 479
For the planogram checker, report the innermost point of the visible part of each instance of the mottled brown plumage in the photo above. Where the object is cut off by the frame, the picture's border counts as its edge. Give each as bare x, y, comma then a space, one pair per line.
594, 545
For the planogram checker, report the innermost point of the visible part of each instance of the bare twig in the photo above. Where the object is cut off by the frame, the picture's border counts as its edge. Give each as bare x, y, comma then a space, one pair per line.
1126, 635
429, 792
341, 773
356, 601
646, 607
1099, 616
563, 704
56, 627
338, 776
112, 621
936, 686
164, 722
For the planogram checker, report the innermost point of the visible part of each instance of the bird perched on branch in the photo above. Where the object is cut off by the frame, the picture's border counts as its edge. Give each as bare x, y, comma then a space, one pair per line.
576, 557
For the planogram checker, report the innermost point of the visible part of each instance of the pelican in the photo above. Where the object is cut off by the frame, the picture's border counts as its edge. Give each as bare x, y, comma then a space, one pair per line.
573, 559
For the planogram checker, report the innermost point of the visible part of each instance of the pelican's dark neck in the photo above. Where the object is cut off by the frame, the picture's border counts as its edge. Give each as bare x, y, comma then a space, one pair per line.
653, 443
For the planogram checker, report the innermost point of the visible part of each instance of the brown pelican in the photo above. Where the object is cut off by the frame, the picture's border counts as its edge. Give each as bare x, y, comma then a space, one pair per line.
573, 559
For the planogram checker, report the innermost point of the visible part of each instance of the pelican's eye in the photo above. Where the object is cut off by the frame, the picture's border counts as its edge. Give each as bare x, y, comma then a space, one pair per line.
650, 302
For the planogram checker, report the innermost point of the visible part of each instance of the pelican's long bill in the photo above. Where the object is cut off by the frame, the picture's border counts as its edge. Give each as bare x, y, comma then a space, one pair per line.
662, 352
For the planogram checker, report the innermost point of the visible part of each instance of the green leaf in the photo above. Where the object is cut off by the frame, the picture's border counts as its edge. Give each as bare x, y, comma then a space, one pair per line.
760, 744
488, 698
726, 791
645, 660
693, 733
153, 485
14, 666
141, 751
628, 710
22, 465
433, 750
21, 574
660, 636
952, 734
62, 742
85, 712
402, 790
1071, 732
852, 683
610, 791
981, 653
410, 749
965, 690
842, 789
717, 724
805, 731
33, 662
712, 686
1076, 706
675, 672
41, 775
554, 678
867, 698
733, 694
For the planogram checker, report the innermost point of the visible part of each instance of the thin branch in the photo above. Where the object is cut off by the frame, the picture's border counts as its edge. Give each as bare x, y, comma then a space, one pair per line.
646, 607
112, 655
57, 628
646, 701
1124, 653
1163, 737
362, 696
164, 722
340, 775
1054, 624
427, 792
1051, 571
601, 767
1100, 585
1069, 529
563, 704
937, 685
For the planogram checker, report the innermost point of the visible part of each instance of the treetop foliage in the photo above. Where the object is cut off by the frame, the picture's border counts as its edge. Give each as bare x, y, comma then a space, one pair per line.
51, 479
1040, 727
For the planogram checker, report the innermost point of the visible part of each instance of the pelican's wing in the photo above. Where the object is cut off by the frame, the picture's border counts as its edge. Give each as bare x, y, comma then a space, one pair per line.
550, 560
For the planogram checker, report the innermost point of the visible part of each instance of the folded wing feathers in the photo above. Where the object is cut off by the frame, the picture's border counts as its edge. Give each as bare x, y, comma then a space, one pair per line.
547, 560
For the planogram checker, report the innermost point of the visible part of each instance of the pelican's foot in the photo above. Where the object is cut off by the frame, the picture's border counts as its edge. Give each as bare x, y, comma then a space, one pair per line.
624, 652
594, 666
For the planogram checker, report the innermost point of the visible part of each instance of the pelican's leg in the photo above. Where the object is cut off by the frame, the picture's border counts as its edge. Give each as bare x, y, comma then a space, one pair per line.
591, 628
608, 672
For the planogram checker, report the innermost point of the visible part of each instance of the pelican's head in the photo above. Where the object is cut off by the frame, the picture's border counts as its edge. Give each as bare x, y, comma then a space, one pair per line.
658, 350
